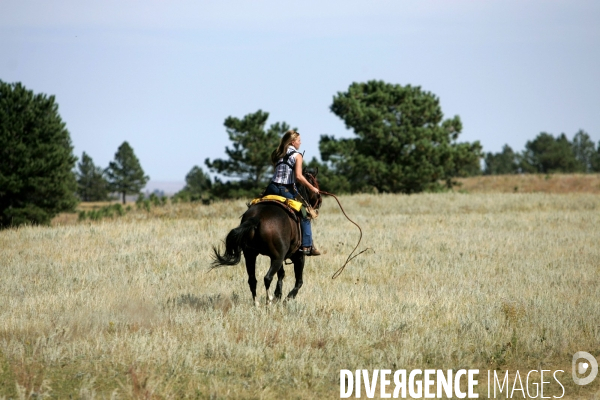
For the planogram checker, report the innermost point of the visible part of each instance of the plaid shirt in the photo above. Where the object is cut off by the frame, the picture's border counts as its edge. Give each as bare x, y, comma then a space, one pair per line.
283, 173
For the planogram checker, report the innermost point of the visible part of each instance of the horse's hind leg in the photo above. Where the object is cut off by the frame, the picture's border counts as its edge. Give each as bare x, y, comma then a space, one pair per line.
276, 265
279, 286
251, 270
298, 260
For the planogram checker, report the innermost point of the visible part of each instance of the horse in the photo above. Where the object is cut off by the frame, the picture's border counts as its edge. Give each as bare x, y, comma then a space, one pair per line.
268, 229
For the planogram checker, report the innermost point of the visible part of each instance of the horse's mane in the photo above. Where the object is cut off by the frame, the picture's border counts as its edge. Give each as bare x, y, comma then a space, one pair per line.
302, 190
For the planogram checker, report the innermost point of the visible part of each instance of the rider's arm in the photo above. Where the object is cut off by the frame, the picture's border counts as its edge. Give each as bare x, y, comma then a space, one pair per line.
299, 177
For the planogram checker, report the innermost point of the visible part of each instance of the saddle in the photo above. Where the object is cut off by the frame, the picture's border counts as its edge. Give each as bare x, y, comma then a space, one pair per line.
292, 207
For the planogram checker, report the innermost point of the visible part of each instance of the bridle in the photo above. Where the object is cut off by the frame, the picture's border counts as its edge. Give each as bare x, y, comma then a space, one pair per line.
313, 181
317, 198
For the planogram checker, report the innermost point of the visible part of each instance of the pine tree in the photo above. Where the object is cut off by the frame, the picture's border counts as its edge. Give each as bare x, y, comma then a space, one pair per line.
250, 158
125, 174
546, 154
584, 151
330, 180
402, 144
596, 159
197, 185
91, 183
505, 162
36, 158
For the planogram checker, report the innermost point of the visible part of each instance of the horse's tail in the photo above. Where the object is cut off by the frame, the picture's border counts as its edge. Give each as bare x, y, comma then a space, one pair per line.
234, 243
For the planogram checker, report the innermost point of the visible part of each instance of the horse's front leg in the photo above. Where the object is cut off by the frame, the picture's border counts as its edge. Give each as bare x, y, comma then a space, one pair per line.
298, 260
276, 265
250, 258
279, 286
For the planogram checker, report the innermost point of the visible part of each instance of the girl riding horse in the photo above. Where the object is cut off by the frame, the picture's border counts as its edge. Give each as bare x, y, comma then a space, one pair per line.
268, 229
288, 170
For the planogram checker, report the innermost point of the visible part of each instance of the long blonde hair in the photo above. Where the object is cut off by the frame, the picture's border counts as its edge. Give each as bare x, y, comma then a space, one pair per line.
284, 143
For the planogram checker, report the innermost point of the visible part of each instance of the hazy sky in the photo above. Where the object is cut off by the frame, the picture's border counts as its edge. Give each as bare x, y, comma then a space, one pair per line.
164, 75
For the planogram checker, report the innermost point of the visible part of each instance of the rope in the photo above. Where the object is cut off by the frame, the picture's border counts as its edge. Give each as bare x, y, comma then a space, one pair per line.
350, 256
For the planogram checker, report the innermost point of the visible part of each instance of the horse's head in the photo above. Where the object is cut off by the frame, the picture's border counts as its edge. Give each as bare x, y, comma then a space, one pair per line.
314, 199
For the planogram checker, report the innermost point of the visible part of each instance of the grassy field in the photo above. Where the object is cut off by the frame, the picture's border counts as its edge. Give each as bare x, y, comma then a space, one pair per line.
531, 183
125, 308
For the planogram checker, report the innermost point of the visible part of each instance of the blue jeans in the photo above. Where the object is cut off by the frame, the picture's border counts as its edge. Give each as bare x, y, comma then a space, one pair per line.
286, 192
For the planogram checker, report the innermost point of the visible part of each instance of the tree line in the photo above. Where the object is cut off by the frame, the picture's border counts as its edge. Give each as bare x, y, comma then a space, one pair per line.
37, 177
547, 154
402, 144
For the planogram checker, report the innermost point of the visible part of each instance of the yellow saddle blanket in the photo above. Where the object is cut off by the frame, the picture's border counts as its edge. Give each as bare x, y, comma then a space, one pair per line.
296, 205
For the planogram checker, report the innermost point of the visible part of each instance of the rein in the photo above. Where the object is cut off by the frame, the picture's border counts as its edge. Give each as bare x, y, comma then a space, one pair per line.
307, 203
350, 256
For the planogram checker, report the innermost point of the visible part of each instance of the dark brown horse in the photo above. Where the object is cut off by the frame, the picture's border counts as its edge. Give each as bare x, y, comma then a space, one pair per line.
268, 229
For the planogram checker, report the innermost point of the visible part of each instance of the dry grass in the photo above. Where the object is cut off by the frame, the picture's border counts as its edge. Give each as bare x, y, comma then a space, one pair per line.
126, 309
72, 218
532, 183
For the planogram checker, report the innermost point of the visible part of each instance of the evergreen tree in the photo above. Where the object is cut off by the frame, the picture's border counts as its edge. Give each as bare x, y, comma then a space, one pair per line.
546, 154
466, 161
197, 185
125, 174
36, 158
503, 163
584, 151
330, 180
91, 183
250, 157
596, 159
403, 143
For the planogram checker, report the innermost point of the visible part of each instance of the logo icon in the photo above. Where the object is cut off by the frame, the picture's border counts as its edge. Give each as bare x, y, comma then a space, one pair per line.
581, 367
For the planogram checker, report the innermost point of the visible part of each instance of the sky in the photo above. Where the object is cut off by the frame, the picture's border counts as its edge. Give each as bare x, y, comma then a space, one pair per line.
164, 75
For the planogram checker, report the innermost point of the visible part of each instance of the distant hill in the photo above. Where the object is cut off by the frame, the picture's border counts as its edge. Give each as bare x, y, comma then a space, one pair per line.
169, 188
